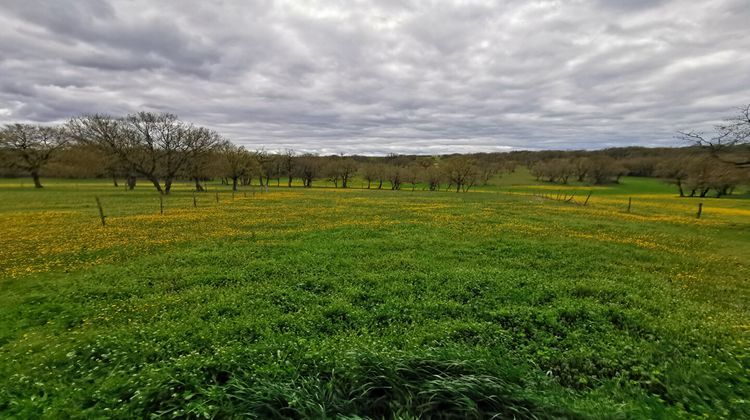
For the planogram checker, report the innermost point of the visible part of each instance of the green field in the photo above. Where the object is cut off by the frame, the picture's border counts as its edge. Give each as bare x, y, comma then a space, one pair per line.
326, 302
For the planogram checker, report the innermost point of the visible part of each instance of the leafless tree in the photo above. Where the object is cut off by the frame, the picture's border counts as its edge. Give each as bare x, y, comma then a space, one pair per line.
156, 146
346, 168
381, 171
706, 174
433, 176
30, 147
331, 173
675, 171
308, 168
394, 174
412, 174
369, 172
271, 168
553, 170
604, 169
263, 158
237, 162
287, 162
203, 165
580, 168
487, 170
461, 172
730, 141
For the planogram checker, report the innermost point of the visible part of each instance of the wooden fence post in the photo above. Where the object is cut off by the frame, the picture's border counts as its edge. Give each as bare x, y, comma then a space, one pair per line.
700, 210
101, 211
161, 203
630, 201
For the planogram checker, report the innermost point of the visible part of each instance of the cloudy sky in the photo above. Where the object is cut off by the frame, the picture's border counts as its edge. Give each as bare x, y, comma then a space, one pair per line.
385, 76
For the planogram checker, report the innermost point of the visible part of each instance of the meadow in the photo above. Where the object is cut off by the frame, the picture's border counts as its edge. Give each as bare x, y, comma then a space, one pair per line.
504, 301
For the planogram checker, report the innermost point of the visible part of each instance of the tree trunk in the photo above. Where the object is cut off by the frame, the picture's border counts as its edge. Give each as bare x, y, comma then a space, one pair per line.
167, 185
368, 184
157, 185
114, 181
35, 177
198, 186
131, 182
380, 184
234, 183
289, 184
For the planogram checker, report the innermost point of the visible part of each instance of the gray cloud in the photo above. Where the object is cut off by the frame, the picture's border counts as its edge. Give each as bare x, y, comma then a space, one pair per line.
385, 76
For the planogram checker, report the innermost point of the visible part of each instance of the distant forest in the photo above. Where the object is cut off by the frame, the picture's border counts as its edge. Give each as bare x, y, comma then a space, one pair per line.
160, 148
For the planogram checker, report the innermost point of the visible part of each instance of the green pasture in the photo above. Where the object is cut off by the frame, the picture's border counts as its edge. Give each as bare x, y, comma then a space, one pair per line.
509, 300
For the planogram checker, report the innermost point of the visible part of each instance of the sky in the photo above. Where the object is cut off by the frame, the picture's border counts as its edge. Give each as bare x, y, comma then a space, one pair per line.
379, 77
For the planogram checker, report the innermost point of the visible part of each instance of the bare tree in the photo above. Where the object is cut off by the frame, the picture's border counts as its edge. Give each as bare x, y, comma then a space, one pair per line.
487, 170
30, 147
394, 174
706, 174
307, 167
331, 172
580, 168
369, 172
105, 133
203, 165
271, 168
263, 158
675, 171
237, 162
729, 141
553, 170
604, 169
433, 176
288, 161
461, 172
347, 167
412, 174
381, 171
156, 146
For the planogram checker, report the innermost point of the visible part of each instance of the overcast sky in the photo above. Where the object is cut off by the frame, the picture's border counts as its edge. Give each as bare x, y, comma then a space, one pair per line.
385, 76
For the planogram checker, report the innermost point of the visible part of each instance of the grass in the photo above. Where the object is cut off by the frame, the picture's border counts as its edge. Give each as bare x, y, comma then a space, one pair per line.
322, 303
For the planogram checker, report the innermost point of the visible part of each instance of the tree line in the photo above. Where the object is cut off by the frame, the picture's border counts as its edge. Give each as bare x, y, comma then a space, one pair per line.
694, 171
716, 163
159, 148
